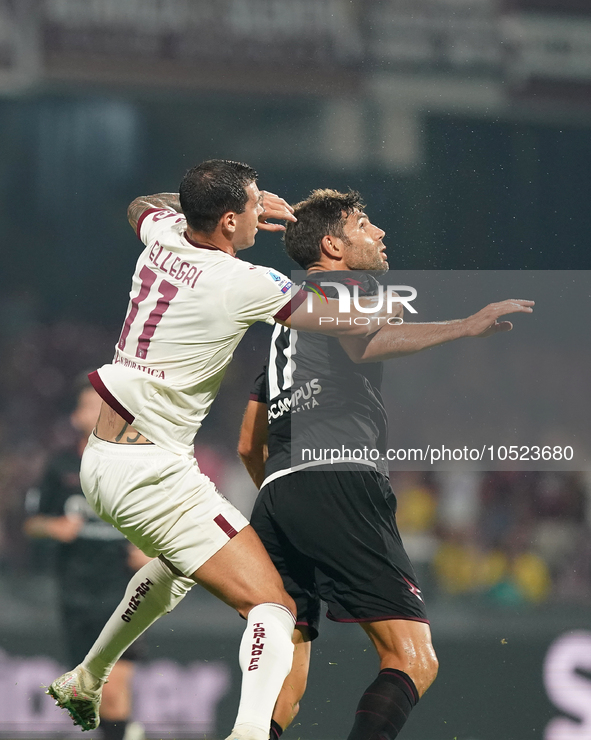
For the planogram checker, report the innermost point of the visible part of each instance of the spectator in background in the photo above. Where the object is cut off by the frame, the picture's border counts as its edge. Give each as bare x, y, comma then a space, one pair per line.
94, 563
490, 549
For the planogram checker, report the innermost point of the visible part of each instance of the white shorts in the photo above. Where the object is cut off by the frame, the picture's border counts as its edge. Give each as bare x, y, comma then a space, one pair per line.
160, 501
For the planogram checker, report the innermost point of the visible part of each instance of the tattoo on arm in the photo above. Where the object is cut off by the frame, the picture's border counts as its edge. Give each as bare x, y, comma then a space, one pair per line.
121, 433
141, 204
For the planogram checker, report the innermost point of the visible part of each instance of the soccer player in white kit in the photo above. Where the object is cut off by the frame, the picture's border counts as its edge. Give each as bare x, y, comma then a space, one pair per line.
190, 304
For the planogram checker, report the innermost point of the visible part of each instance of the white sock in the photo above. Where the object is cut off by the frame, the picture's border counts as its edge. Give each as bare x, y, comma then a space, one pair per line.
152, 592
266, 655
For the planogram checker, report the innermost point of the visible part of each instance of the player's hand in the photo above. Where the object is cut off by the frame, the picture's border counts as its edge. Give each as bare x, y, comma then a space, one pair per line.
64, 528
485, 323
274, 207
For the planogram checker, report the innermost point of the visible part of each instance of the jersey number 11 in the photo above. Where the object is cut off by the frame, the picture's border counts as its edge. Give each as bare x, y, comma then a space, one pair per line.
167, 293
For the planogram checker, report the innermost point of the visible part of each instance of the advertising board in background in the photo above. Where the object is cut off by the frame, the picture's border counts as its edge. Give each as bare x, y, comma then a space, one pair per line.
535, 666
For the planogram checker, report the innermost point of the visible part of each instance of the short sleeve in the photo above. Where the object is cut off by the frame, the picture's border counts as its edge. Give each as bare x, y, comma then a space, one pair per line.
258, 391
262, 294
154, 221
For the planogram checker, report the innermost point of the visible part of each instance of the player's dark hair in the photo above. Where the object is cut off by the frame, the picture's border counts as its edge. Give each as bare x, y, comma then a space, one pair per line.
213, 188
323, 213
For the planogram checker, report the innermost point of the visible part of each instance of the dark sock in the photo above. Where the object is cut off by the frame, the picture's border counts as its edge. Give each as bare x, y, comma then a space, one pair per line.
113, 730
276, 730
385, 706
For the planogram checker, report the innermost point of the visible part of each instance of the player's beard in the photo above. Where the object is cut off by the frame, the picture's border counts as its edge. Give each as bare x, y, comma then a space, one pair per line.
367, 260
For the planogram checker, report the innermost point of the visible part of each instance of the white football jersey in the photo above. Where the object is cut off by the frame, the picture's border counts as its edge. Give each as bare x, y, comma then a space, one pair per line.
190, 304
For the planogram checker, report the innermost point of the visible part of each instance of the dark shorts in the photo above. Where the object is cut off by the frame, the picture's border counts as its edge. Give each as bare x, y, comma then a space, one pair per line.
81, 627
332, 536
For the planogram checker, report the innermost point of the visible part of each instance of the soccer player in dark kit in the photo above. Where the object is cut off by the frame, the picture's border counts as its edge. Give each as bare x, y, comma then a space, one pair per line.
94, 562
330, 528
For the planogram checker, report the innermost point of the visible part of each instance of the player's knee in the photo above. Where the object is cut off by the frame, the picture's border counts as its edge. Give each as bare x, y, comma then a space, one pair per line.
431, 670
290, 604
421, 665
425, 670
272, 593
280, 597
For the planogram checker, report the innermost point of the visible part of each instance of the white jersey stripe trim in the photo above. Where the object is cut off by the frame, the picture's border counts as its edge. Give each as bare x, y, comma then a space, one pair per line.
315, 463
274, 389
290, 361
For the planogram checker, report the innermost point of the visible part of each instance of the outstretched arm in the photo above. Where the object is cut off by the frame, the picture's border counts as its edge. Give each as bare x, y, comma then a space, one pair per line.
406, 339
141, 204
60, 528
252, 443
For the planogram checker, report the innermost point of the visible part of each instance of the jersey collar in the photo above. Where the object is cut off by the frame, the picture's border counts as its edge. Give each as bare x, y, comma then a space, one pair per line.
206, 246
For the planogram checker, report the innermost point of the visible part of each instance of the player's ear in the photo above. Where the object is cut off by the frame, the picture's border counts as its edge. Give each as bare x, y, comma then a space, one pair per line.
331, 246
228, 222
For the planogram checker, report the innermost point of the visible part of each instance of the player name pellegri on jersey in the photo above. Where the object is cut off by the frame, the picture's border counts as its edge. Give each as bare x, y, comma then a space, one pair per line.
161, 259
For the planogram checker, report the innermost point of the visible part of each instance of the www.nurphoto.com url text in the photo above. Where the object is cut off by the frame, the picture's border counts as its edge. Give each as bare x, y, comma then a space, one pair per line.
436, 454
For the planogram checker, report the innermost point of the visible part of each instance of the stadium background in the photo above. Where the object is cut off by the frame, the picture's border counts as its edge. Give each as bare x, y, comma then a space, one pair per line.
467, 127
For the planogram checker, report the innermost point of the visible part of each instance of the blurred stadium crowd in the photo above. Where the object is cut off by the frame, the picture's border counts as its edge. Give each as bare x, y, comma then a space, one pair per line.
507, 538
